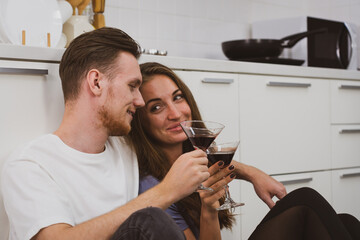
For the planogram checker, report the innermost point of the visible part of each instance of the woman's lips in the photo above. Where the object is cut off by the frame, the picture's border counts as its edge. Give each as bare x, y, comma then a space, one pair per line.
176, 127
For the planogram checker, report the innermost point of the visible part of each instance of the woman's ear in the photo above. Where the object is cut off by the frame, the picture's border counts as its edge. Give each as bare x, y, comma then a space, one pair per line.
93, 79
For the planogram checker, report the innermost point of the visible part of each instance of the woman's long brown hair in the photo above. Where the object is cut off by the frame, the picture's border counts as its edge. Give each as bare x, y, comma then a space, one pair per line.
153, 161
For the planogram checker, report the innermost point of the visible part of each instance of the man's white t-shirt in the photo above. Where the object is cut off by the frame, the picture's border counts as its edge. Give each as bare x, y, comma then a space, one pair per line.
47, 182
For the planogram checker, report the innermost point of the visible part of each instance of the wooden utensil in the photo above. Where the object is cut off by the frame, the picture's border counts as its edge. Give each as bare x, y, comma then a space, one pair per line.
82, 6
98, 6
74, 4
98, 9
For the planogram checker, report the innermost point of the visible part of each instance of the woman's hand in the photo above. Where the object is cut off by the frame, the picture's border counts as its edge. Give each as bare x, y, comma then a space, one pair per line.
265, 186
218, 179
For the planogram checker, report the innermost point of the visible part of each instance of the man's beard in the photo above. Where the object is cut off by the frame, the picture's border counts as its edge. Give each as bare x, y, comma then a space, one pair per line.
115, 125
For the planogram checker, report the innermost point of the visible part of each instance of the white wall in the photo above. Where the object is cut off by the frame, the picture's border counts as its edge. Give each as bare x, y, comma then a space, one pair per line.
196, 28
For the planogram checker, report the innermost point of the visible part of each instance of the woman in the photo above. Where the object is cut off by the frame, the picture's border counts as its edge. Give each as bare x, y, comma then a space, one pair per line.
163, 141
159, 140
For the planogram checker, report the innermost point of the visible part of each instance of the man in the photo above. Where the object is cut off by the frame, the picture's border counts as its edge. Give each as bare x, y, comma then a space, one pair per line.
81, 182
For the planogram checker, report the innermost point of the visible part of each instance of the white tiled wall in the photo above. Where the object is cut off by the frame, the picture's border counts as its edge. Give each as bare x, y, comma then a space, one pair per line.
196, 28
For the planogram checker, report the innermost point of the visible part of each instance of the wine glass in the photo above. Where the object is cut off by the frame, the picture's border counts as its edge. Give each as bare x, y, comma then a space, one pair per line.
201, 134
224, 152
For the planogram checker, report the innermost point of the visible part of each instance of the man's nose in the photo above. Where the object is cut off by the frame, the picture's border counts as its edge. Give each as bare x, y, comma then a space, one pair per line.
139, 101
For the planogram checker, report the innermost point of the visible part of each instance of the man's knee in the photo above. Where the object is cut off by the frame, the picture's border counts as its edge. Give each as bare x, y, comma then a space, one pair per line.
149, 223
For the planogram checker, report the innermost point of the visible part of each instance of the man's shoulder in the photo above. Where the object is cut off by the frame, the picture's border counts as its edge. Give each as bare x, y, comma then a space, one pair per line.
30, 147
120, 144
31, 151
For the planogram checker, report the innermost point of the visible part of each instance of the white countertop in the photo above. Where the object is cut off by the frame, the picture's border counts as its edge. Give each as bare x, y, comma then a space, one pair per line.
53, 55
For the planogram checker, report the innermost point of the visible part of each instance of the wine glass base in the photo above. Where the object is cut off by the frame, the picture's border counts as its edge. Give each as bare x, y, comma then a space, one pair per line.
229, 205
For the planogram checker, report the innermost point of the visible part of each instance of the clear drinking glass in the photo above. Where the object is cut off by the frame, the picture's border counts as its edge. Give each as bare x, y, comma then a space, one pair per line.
224, 152
201, 134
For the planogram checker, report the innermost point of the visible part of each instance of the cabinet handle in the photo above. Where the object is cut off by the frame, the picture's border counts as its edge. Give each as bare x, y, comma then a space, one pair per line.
287, 84
349, 131
218, 80
26, 71
353, 87
353, 174
296, 180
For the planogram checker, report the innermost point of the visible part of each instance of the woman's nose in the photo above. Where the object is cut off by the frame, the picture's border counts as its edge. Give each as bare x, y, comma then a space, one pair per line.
173, 112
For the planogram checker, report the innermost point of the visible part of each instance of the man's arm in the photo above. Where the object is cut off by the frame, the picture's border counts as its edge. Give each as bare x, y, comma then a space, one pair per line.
183, 178
265, 186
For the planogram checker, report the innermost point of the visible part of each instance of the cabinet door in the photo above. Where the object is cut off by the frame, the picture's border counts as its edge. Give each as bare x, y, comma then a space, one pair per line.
217, 97
345, 102
345, 146
255, 209
32, 104
346, 194
285, 123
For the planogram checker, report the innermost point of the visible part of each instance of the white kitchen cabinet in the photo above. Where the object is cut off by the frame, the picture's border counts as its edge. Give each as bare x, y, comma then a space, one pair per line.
345, 193
345, 102
284, 123
32, 101
345, 146
217, 97
32, 104
255, 210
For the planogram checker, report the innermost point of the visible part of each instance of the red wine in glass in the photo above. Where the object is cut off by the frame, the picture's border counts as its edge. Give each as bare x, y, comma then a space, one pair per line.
201, 134
226, 157
224, 152
201, 141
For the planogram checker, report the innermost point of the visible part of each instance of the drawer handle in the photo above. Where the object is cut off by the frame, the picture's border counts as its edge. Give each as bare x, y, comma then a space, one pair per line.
349, 131
26, 71
218, 80
353, 87
346, 175
297, 180
287, 84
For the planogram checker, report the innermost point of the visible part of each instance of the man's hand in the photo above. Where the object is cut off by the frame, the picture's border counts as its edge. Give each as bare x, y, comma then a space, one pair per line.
186, 174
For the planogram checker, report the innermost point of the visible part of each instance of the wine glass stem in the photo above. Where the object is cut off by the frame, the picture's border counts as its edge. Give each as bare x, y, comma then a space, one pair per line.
227, 194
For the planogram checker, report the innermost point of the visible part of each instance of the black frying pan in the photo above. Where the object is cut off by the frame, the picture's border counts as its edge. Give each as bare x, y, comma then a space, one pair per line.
258, 48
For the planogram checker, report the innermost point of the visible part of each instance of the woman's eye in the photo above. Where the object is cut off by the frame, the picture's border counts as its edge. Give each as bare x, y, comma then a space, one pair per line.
178, 97
155, 108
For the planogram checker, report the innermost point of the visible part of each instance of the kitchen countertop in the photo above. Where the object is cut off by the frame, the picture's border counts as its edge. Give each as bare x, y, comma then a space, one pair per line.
53, 55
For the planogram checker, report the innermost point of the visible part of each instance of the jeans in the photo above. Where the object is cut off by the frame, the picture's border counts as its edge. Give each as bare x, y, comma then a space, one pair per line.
149, 224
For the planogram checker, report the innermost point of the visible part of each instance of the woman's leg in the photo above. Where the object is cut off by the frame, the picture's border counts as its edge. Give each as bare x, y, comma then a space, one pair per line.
149, 224
352, 224
318, 211
295, 223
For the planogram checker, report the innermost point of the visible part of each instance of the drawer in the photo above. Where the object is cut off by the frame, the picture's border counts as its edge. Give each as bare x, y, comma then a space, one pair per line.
346, 194
345, 146
32, 102
285, 123
345, 102
216, 95
255, 209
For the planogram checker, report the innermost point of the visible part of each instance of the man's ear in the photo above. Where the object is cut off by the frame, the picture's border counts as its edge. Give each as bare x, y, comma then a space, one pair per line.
94, 81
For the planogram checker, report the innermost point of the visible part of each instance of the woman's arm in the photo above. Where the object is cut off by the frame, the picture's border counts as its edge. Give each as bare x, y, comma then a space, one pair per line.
209, 220
265, 186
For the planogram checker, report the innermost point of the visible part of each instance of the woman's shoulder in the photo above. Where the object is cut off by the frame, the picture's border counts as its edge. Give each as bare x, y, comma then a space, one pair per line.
147, 182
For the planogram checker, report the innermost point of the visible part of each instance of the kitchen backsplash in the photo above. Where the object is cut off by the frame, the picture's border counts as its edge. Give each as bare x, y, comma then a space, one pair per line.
196, 28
